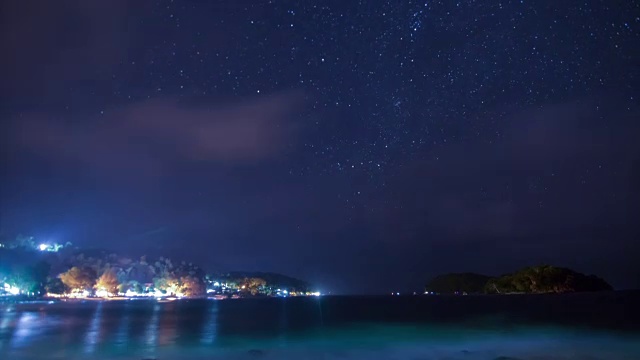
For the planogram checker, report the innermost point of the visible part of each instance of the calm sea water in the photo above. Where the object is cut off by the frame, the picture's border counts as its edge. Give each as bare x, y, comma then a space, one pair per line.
577, 326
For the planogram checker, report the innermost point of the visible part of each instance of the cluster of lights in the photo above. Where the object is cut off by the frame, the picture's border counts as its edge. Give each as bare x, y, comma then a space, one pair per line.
103, 293
51, 247
170, 293
13, 290
78, 293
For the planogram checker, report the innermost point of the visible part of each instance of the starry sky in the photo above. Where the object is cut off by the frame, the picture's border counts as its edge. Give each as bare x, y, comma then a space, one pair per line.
365, 146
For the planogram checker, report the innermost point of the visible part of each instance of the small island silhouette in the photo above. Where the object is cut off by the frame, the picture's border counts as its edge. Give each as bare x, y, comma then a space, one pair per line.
540, 279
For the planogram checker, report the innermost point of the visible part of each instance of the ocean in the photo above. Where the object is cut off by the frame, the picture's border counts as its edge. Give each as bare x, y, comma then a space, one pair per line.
571, 326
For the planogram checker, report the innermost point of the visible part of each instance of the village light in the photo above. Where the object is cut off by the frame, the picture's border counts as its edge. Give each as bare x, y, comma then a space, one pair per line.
103, 293
13, 290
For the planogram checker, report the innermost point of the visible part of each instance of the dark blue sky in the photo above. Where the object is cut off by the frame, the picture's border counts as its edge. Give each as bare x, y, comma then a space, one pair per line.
362, 145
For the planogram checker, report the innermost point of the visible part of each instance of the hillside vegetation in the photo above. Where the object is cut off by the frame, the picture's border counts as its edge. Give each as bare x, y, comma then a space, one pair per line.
530, 280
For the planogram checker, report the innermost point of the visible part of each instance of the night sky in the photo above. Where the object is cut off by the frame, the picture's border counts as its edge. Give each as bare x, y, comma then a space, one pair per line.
365, 146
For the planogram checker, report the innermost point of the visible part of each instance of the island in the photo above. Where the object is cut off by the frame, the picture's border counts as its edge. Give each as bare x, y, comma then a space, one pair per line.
29, 268
530, 280
455, 283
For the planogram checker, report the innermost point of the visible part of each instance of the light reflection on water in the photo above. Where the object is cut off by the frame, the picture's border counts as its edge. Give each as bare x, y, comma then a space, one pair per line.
8, 316
152, 328
122, 334
26, 328
167, 329
149, 329
93, 333
210, 325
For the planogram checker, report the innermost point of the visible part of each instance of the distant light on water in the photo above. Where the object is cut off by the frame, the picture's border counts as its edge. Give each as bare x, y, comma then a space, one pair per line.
25, 329
7, 318
91, 339
152, 327
182, 330
209, 333
122, 335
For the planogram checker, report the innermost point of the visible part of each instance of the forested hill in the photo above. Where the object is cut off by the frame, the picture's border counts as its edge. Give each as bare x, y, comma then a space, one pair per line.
36, 269
273, 279
458, 282
529, 280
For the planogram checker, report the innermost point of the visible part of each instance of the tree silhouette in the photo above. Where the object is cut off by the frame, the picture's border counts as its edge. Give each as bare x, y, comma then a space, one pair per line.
108, 281
81, 278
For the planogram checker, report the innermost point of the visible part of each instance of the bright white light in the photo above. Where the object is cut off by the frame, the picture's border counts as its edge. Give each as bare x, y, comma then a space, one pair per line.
102, 293
78, 293
11, 289
43, 247
209, 291
216, 284
285, 292
317, 293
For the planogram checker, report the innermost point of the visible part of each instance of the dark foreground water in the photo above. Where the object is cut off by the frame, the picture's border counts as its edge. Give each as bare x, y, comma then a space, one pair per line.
579, 326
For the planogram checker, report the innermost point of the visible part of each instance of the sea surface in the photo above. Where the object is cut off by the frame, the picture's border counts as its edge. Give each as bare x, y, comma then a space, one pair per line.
574, 326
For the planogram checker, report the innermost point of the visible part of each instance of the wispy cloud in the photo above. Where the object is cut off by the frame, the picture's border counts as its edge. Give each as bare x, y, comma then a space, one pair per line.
148, 137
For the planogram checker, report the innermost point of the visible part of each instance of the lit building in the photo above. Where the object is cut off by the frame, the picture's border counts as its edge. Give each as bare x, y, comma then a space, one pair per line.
11, 290
53, 247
